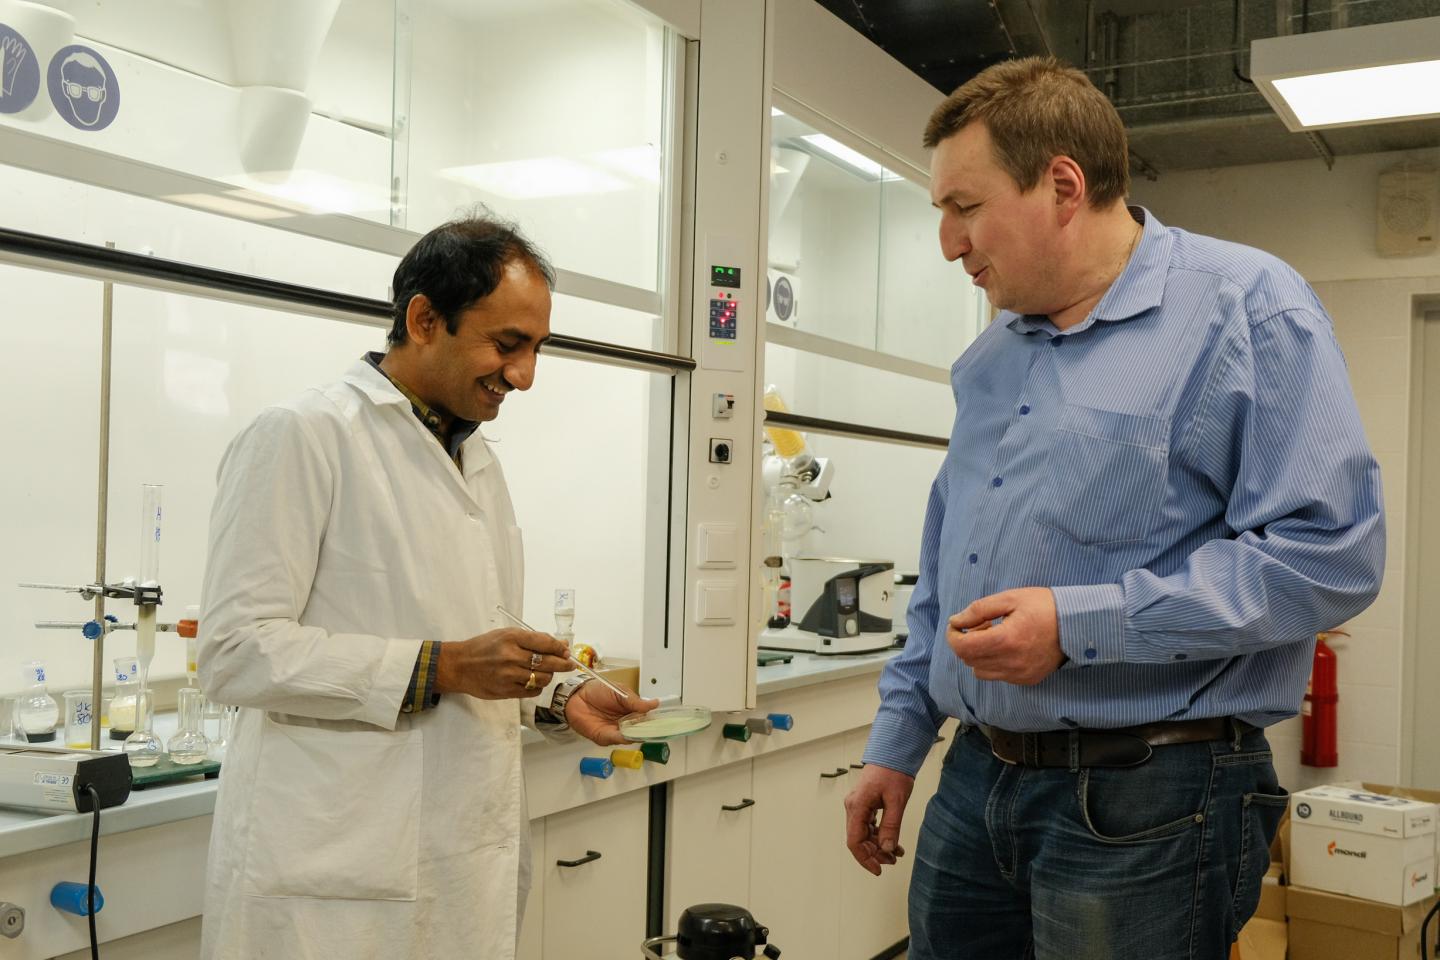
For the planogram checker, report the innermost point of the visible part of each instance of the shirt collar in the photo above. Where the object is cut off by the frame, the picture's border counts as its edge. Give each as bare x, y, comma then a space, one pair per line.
1140, 286
461, 429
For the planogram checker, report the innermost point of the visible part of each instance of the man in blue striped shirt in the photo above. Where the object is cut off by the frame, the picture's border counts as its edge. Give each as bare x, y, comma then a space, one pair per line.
1157, 491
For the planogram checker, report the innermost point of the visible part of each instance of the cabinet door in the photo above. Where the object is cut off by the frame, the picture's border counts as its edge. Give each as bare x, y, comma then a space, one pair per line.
596, 908
531, 923
872, 909
710, 837
873, 915
797, 845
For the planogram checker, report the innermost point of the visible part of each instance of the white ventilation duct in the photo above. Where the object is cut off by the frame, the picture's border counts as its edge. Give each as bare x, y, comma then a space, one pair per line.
275, 44
787, 166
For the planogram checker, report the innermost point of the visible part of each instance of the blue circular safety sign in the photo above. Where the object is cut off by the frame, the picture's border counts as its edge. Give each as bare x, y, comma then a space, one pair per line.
83, 88
19, 71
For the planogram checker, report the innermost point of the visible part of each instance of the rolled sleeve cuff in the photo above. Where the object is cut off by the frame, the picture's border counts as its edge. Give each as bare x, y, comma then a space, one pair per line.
1092, 622
420, 693
898, 744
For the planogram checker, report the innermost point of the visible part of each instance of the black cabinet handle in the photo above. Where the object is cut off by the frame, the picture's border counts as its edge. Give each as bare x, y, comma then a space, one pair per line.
732, 807
857, 766
589, 855
839, 772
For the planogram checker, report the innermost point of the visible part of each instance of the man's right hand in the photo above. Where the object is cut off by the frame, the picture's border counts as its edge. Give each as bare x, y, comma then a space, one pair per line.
884, 792
501, 664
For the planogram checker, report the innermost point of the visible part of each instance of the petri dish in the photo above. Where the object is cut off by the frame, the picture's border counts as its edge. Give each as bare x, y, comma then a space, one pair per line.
664, 723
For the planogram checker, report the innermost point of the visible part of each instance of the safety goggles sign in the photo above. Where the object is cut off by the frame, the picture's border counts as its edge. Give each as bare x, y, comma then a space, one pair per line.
83, 88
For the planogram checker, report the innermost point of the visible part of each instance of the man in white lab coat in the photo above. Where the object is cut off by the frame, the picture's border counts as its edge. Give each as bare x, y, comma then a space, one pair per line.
372, 802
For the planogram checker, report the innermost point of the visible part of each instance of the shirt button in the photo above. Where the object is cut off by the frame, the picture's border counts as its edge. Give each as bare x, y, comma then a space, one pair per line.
1090, 654
974, 558
1024, 409
997, 481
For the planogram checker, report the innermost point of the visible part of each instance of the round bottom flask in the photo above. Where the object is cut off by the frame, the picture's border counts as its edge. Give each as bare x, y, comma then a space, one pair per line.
142, 747
189, 744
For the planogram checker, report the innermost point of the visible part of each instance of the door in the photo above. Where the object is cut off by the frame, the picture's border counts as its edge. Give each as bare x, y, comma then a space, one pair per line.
595, 872
1425, 691
710, 837
798, 845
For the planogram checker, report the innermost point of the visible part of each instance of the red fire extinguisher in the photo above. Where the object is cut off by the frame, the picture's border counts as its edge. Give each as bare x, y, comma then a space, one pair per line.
1317, 737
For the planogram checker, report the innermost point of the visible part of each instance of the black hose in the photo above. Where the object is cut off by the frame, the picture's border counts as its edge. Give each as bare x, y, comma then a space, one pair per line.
1235, 43
94, 852
1425, 925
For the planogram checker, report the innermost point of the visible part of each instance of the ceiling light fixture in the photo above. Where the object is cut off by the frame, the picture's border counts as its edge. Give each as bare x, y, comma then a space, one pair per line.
1338, 78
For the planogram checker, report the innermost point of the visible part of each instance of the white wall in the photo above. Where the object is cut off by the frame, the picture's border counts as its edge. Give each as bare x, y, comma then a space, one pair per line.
1323, 223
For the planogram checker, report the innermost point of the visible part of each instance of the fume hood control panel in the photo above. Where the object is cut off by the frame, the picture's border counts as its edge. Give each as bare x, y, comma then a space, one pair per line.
724, 306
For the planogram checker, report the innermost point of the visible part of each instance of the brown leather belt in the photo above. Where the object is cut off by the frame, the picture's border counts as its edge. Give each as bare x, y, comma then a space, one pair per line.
1121, 747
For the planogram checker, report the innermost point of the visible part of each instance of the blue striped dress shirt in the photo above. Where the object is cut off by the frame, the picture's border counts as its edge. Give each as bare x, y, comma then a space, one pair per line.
1186, 469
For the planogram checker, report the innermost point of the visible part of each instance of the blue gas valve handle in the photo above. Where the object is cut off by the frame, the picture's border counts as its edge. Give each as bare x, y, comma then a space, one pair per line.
781, 721
599, 767
74, 898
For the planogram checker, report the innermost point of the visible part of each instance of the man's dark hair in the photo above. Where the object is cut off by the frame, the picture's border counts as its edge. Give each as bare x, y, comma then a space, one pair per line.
459, 263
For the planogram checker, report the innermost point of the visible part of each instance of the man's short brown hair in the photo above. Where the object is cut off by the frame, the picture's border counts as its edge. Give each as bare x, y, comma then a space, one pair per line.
1037, 109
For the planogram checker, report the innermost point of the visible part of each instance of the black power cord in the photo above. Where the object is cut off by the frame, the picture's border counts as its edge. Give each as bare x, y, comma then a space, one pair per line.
94, 852
1425, 925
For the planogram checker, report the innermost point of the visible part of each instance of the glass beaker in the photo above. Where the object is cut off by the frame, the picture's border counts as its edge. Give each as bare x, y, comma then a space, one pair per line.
122, 708
9, 728
218, 718
79, 718
189, 744
564, 614
37, 712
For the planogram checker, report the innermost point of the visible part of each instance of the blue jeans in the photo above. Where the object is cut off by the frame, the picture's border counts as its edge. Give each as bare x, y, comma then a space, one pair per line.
1157, 862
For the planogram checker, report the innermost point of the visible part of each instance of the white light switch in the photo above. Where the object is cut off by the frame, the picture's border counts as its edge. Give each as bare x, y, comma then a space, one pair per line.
716, 546
714, 602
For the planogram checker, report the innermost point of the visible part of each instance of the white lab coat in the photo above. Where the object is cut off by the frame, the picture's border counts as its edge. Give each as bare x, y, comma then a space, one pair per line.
342, 536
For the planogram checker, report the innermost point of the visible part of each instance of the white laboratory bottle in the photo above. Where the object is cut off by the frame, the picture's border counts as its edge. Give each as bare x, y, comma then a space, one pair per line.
37, 711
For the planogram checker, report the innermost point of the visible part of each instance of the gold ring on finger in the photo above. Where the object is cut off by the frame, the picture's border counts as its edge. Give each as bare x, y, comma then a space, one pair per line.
531, 684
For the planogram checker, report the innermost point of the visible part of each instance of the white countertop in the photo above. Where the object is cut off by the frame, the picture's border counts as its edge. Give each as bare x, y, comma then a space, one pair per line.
23, 831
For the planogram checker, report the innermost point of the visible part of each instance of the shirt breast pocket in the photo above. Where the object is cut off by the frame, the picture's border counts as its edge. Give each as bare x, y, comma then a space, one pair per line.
1107, 472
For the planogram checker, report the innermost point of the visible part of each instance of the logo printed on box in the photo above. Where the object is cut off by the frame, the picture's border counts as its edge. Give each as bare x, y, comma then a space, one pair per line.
1333, 849
1303, 810
1348, 815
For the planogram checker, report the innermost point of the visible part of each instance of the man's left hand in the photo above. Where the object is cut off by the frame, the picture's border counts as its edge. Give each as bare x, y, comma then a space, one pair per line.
1024, 648
594, 712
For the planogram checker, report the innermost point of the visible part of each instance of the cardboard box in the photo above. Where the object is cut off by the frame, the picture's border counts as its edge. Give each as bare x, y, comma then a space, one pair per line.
1363, 811
1272, 895
1362, 844
1328, 926
1262, 940
1414, 793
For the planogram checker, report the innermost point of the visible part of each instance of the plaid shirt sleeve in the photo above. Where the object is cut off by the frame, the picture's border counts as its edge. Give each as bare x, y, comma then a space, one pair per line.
421, 695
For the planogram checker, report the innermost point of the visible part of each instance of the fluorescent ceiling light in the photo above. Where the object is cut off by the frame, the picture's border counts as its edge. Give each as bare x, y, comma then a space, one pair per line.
1335, 78
851, 158
536, 178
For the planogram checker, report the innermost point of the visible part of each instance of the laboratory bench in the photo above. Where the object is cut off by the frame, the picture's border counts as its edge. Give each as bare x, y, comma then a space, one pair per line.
742, 820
